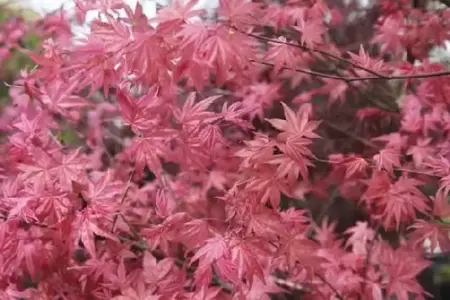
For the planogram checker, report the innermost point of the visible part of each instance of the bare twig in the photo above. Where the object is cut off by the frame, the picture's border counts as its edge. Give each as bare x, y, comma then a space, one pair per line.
333, 197
352, 135
335, 291
362, 78
306, 71
324, 53
376, 75
367, 262
123, 198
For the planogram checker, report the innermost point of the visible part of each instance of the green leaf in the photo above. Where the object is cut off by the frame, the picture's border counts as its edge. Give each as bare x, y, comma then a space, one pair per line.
31, 41
17, 61
444, 273
68, 137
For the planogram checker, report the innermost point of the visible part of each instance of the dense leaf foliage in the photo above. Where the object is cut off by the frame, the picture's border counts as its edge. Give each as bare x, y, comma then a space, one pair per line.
236, 155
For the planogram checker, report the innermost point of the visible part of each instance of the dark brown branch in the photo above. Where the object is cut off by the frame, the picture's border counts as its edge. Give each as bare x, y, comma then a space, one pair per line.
367, 261
305, 71
335, 291
352, 135
123, 198
376, 75
351, 79
325, 53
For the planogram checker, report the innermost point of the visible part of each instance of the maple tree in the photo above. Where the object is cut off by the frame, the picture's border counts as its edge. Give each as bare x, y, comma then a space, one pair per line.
243, 154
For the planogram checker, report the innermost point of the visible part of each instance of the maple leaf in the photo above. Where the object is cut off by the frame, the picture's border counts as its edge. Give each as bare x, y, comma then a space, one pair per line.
296, 135
195, 145
335, 90
295, 125
206, 293
295, 217
258, 98
299, 249
440, 166
398, 202
146, 151
86, 5
389, 34
195, 233
436, 233
132, 294
326, 233
270, 188
441, 205
20, 203
225, 50
245, 257
387, 159
227, 270
263, 222
261, 289
364, 60
155, 271
192, 112
32, 254
86, 228
213, 249
120, 279
179, 11
402, 270
55, 205
312, 31
31, 129
360, 236
394, 140
257, 150
420, 151
195, 70
135, 113
289, 169
58, 96
282, 54
355, 165
103, 188
193, 34
71, 169
239, 12
164, 204
92, 54
39, 172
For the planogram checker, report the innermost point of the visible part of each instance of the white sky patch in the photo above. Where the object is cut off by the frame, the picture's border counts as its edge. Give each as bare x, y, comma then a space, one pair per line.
46, 6
149, 7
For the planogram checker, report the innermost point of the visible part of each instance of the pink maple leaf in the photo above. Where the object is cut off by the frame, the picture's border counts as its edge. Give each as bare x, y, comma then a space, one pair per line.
312, 31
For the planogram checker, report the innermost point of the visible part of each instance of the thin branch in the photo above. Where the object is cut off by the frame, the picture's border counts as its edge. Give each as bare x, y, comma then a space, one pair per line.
225, 286
325, 209
367, 261
352, 135
374, 167
412, 76
335, 71
325, 53
335, 291
123, 198
371, 145
351, 79
377, 76
307, 71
